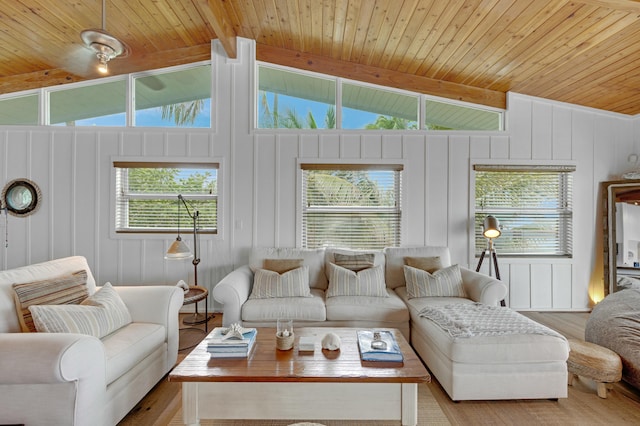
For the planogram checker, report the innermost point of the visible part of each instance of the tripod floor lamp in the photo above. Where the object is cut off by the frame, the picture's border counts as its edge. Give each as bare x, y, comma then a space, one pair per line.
180, 251
490, 230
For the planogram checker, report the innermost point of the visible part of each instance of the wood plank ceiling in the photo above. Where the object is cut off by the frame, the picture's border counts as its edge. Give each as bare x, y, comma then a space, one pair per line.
585, 52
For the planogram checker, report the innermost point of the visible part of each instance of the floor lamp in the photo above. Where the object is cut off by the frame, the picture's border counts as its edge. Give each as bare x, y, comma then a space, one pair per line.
180, 251
491, 230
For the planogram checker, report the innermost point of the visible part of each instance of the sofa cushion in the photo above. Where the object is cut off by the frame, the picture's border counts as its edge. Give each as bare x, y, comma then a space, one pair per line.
367, 308
294, 283
330, 257
394, 272
58, 290
313, 258
429, 264
446, 282
130, 345
354, 262
282, 265
345, 282
295, 308
99, 315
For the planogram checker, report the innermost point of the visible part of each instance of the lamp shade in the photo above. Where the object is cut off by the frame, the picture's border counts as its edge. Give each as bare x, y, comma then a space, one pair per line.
491, 227
178, 251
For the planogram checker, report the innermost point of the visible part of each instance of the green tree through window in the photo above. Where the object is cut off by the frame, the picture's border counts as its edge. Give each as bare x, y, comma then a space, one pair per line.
147, 196
351, 207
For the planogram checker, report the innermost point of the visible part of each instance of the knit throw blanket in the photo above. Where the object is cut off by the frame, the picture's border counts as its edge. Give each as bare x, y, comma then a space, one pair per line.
464, 320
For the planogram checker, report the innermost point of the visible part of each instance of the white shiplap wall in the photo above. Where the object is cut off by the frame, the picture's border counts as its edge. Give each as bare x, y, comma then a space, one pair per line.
259, 186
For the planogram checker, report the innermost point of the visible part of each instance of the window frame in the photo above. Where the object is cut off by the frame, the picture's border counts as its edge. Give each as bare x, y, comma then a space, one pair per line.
342, 164
185, 228
339, 81
567, 166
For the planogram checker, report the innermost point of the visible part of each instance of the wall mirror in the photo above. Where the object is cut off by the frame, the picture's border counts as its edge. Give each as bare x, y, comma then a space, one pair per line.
621, 239
21, 197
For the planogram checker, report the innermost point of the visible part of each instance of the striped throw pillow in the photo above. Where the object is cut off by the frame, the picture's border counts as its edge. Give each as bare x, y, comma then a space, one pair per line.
65, 289
99, 315
354, 262
270, 284
345, 282
445, 282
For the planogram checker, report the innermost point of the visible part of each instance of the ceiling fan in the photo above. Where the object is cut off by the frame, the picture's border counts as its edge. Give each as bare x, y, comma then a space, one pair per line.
105, 46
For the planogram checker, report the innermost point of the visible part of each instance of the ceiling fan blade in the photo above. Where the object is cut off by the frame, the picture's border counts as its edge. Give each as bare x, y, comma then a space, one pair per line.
80, 61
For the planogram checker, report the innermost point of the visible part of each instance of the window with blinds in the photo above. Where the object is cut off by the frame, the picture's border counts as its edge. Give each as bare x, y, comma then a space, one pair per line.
147, 196
533, 205
354, 206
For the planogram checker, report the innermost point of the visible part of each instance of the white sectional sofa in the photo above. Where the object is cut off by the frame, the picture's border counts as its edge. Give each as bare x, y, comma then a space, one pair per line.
493, 365
77, 379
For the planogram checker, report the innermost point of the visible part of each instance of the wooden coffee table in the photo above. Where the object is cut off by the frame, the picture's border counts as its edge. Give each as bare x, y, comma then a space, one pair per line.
293, 385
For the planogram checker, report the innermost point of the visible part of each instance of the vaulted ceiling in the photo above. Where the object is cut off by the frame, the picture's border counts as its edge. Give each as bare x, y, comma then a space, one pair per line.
585, 52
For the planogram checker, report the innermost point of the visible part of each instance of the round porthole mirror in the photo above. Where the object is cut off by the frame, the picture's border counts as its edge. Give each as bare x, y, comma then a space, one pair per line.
21, 197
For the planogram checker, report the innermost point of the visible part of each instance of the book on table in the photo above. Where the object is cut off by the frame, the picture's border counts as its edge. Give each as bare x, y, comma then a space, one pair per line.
219, 345
378, 345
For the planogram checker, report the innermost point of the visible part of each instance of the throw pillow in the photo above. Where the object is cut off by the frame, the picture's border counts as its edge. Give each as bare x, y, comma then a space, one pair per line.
64, 289
429, 264
345, 282
445, 282
282, 265
354, 262
270, 284
99, 315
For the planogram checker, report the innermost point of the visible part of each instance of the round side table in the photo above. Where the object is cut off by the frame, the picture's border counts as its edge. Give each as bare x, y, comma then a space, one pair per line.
195, 295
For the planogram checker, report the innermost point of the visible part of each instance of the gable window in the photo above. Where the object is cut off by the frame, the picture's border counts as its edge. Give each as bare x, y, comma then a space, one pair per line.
102, 104
366, 107
443, 115
147, 196
174, 99
293, 100
533, 205
352, 205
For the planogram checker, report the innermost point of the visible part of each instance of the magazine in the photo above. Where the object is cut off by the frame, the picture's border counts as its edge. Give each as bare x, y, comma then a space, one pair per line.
378, 345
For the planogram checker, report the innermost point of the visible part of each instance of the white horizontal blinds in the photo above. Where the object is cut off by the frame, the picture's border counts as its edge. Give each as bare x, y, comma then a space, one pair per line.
351, 205
533, 205
147, 196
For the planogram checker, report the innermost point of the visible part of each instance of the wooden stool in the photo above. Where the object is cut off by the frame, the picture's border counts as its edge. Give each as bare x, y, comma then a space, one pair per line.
594, 362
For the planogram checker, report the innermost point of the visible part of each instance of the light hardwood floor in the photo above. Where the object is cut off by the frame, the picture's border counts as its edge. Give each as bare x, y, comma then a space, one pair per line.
582, 407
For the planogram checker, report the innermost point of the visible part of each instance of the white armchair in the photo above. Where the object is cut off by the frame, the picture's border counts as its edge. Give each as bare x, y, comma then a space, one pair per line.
74, 379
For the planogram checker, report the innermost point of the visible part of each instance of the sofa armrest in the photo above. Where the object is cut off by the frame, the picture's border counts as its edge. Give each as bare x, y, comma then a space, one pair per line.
483, 288
157, 304
232, 291
55, 364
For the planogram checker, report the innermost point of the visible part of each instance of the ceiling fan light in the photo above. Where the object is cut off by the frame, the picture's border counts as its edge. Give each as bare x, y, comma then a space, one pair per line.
103, 68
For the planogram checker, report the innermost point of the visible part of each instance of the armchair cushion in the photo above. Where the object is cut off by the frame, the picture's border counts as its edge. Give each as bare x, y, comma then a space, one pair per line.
98, 315
445, 282
63, 289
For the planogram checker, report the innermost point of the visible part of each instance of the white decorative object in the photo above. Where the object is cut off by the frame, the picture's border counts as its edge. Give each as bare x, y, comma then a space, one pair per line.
331, 341
235, 330
184, 286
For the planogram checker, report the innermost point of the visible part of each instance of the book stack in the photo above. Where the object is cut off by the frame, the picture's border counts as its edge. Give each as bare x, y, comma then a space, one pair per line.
220, 345
378, 346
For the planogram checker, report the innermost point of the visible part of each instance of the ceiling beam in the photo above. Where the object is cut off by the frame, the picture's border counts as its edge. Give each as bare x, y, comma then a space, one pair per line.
221, 23
131, 64
384, 77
